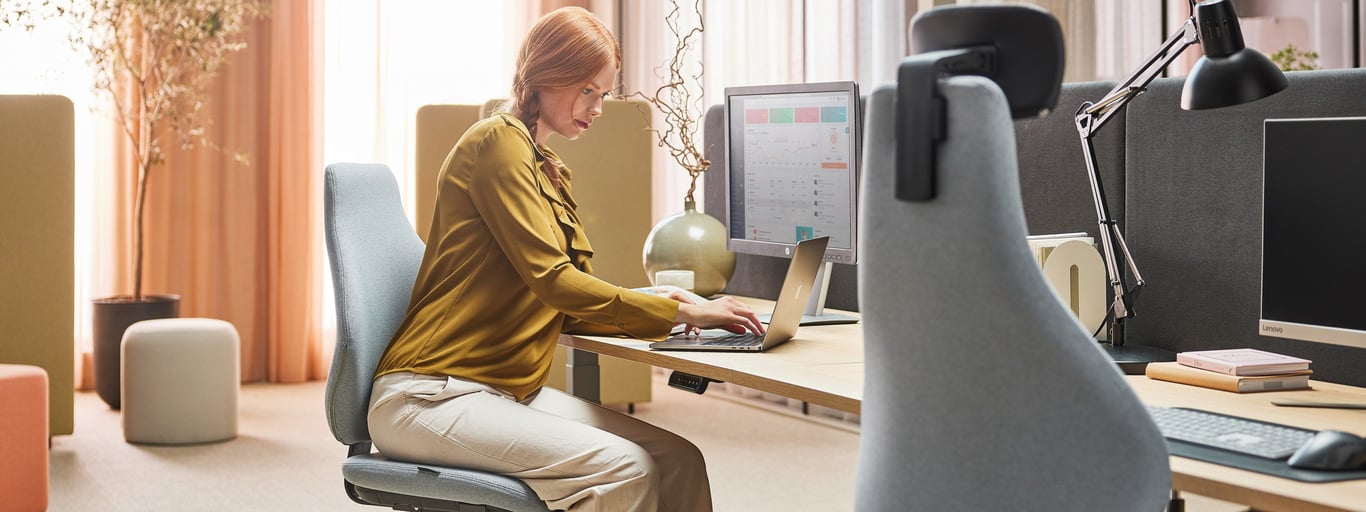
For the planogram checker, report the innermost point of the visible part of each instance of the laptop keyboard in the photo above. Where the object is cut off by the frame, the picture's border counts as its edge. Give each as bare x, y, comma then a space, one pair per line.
732, 340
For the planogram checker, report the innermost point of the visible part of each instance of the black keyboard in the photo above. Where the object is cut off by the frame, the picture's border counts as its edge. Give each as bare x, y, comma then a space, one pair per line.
1242, 435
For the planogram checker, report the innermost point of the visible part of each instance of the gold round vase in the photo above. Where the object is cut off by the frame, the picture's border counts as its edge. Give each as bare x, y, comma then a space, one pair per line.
691, 240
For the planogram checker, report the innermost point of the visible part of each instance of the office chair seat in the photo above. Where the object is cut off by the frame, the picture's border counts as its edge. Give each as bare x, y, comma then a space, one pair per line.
388, 482
375, 255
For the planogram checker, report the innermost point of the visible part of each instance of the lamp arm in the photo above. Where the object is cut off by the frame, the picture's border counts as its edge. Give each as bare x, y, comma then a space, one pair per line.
1109, 233
1090, 117
1099, 112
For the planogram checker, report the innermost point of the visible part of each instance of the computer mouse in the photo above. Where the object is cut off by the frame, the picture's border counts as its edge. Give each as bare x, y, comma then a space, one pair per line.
1331, 450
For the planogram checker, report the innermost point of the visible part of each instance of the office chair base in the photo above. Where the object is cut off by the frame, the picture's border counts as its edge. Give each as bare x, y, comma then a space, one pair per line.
1134, 359
1176, 503
417, 504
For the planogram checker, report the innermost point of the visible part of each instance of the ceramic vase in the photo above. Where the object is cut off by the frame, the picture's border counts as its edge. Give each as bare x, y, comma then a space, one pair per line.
691, 240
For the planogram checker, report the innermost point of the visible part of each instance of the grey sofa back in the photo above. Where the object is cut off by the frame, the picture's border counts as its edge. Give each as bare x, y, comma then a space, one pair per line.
1192, 219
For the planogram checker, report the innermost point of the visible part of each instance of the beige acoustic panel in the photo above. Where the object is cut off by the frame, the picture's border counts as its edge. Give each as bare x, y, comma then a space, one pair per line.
37, 239
612, 184
622, 381
612, 164
619, 381
490, 106
438, 129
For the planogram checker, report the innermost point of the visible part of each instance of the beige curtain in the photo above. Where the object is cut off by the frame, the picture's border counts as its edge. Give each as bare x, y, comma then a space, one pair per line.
239, 242
522, 15
1078, 21
550, 5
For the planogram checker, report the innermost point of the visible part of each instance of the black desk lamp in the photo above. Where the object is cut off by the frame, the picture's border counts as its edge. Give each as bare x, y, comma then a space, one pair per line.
1228, 74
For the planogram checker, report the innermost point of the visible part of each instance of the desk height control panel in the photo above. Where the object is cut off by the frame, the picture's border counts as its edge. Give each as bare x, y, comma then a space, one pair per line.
688, 382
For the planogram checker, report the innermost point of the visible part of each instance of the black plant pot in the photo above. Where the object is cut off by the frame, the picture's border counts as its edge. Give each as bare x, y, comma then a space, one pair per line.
111, 317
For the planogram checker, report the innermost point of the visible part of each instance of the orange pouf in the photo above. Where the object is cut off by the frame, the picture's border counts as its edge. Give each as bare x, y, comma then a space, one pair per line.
23, 437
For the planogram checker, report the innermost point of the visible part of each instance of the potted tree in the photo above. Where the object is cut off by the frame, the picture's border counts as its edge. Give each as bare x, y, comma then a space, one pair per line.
155, 59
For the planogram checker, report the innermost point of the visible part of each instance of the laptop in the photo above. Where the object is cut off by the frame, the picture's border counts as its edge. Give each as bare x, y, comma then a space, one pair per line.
787, 313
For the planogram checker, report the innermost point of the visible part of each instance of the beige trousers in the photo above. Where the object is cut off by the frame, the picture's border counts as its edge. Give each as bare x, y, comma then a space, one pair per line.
575, 455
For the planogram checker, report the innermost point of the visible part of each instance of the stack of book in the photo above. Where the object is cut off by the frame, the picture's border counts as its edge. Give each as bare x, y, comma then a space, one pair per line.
1240, 370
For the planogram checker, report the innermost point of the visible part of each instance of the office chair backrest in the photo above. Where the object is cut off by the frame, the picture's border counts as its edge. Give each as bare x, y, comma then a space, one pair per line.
375, 254
981, 392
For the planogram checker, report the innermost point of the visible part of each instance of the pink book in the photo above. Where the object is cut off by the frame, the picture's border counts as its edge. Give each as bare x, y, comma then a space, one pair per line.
1242, 361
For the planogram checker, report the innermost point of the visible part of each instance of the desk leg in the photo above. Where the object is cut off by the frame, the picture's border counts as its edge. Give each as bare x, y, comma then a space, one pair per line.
582, 375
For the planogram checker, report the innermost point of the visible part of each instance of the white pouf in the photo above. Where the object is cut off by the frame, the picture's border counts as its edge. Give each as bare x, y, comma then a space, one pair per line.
180, 381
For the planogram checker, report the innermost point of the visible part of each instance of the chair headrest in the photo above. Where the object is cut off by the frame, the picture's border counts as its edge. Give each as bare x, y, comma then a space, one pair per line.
1028, 46
1019, 47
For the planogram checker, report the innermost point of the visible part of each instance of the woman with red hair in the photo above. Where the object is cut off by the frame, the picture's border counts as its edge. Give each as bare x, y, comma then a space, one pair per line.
506, 271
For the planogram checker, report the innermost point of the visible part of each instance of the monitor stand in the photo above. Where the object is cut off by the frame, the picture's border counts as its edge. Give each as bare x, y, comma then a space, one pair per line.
815, 306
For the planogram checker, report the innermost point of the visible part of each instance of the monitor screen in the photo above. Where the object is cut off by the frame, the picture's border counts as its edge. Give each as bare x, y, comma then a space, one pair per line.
1313, 251
792, 153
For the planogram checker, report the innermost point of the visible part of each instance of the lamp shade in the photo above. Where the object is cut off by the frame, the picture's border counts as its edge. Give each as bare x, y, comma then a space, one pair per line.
1229, 73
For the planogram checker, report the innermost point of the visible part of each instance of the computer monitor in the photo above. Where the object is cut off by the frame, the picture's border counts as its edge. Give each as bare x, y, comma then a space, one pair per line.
792, 153
1313, 254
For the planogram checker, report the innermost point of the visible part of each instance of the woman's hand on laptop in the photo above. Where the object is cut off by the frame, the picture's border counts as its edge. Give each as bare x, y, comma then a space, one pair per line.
724, 313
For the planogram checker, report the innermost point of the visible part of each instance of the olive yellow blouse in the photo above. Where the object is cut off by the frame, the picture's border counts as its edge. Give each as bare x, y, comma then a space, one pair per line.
506, 271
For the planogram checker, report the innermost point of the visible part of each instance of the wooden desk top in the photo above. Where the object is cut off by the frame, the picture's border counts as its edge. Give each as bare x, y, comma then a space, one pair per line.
1263, 492
823, 365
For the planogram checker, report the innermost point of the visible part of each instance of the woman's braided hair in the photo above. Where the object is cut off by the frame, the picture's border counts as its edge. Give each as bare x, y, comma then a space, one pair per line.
565, 48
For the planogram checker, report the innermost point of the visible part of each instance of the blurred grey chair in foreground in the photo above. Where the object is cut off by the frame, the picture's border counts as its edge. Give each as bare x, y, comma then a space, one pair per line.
982, 391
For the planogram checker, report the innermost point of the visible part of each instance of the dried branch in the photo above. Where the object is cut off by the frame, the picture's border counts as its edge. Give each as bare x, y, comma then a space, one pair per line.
680, 98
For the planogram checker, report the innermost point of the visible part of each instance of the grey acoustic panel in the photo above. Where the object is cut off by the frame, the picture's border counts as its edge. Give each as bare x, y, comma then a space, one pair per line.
1053, 176
759, 276
1193, 213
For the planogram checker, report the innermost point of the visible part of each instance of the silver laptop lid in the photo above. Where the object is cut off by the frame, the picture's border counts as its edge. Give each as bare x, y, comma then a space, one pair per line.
801, 273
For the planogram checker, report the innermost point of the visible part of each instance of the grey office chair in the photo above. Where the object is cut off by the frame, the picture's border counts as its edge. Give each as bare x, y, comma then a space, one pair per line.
981, 392
375, 256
